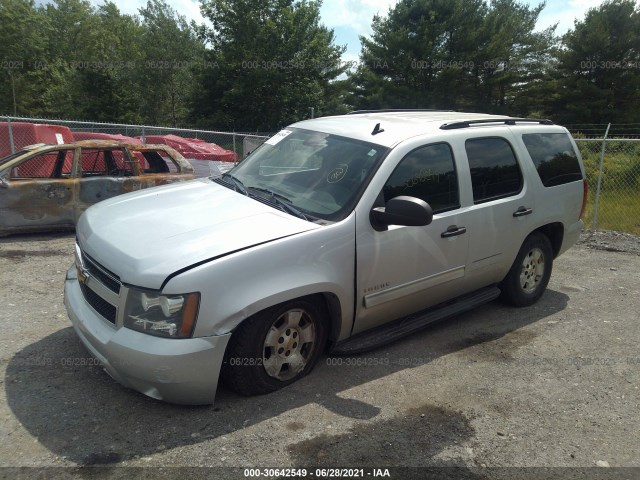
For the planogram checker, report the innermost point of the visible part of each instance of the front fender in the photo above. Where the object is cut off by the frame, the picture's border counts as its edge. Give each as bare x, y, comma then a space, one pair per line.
239, 285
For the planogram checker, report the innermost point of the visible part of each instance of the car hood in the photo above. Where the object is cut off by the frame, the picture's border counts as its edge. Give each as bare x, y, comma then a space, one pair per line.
145, 236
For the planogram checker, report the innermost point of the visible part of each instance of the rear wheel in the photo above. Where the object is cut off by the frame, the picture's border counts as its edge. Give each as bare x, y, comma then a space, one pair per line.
274, 348
529, 275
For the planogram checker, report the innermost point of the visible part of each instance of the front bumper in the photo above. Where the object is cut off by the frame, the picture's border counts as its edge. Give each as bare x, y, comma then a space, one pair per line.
183, 371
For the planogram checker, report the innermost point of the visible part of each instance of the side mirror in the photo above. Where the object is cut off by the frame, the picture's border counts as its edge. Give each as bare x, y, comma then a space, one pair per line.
403, 210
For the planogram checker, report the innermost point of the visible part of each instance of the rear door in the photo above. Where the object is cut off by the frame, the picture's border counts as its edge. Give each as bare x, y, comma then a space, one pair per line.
405, 269
503, 211
104, 173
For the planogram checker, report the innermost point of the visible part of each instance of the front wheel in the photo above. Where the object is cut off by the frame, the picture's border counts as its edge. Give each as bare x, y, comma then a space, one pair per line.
274, 348
529, 275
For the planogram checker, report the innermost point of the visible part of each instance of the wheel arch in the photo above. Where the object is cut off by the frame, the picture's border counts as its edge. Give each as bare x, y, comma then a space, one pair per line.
329, 301
555, 233
249, 339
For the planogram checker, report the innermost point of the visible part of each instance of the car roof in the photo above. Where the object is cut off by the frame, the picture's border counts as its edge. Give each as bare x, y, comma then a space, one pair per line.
398, 125
100, 144
43, 147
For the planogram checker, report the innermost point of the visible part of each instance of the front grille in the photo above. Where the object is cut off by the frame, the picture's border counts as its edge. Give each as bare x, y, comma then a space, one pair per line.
99, 304
108, 279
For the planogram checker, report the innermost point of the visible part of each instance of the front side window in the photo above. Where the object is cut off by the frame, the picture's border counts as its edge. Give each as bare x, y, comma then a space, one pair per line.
427, 173
495, 172
52, 164
554, 157
319, 174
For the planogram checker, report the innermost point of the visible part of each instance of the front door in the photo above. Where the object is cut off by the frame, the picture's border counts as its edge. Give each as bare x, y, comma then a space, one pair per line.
405, 269
39, 192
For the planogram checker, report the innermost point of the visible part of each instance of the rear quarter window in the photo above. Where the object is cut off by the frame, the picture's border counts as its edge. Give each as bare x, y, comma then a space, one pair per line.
554, 157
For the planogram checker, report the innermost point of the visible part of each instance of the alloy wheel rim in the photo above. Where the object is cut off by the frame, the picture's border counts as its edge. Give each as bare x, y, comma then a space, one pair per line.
289, 344
532, 270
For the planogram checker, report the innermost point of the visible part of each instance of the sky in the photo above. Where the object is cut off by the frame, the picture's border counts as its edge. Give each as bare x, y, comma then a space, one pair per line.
351, 18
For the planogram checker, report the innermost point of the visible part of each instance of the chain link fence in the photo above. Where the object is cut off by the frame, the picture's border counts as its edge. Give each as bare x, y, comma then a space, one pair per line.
612, 163
223, 148
613, 174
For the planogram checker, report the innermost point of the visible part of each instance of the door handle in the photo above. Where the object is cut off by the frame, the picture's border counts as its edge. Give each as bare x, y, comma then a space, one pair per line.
522, 211
453, 231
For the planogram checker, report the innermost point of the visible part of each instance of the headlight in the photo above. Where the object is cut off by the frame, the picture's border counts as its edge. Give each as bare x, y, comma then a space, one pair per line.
172, 316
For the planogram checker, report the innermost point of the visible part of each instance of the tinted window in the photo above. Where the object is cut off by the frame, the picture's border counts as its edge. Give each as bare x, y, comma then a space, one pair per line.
494, 169
554, 158
428, 173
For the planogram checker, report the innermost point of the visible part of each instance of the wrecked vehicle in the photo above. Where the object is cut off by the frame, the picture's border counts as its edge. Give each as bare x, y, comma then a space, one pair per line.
207, 159
338, 234
48, 187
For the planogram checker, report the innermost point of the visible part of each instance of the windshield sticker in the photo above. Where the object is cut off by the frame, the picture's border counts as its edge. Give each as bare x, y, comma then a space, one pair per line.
278, 137
372, 152
337, 173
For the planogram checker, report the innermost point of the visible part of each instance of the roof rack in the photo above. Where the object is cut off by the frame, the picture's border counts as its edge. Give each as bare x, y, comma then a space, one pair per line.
397, 110
506, 121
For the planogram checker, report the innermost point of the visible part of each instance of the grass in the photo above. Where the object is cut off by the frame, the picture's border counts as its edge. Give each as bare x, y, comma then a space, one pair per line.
618, 210
619, 205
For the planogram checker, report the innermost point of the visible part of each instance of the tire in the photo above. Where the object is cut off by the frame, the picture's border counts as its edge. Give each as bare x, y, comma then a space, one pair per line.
275, 348
529, 275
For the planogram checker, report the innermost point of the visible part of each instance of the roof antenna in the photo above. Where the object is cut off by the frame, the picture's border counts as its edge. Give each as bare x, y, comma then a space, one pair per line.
377, 129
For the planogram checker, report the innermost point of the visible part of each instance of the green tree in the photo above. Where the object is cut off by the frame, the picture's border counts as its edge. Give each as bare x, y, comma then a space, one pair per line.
270, 62
452, 54
513, 60
22, 49
89, 52
171, 51
598, 76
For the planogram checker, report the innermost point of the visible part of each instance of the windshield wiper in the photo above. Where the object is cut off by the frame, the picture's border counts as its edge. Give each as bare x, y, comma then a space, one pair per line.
283, 202
237, 184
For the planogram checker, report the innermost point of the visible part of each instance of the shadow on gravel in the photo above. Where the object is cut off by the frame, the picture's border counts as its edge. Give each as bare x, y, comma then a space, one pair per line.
35, 237
416, 436
65, 400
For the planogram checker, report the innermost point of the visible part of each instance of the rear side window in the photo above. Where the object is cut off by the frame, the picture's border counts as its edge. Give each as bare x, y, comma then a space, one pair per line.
158, 161
101, 163
495, 172
554, 158
427, 173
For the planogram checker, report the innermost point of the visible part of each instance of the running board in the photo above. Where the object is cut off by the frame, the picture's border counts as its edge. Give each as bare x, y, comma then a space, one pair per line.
365, 341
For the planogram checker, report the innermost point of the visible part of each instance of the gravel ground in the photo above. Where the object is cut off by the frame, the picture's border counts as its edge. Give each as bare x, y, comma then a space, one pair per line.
552, 385
611, 241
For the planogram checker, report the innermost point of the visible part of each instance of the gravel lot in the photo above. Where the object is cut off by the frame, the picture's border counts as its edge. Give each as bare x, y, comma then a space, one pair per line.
553, 385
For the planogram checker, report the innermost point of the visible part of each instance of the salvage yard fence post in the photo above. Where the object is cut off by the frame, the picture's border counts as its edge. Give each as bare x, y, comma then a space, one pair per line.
12, 145
598, 189
612, 165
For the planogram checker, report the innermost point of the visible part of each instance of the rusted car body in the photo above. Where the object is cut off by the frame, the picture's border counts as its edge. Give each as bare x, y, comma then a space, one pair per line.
47, 187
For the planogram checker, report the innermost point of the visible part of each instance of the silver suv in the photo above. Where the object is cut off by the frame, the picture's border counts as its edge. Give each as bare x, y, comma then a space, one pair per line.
339, 234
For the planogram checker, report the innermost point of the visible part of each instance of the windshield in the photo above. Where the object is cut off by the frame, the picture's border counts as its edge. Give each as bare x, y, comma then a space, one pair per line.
320, 175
